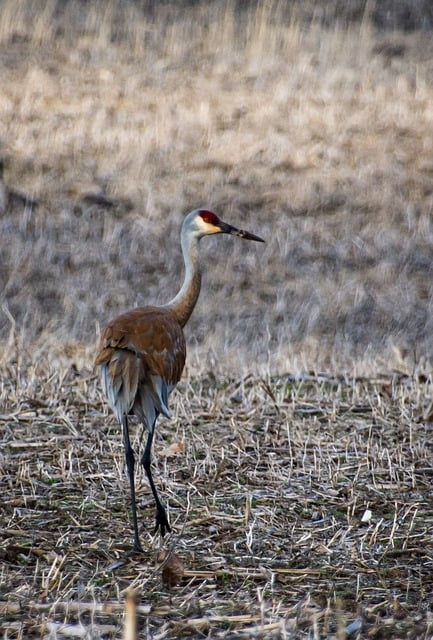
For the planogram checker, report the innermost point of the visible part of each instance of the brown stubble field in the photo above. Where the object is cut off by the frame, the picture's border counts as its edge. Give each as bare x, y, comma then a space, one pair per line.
297, 466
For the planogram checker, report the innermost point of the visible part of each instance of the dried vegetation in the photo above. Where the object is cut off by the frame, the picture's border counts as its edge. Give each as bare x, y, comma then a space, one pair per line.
300, 508
301, 503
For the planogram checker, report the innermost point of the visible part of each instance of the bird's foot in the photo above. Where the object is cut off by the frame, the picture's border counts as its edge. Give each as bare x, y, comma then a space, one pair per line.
161, 521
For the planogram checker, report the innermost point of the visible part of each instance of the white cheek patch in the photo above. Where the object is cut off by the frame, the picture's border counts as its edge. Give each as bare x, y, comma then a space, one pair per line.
206, 227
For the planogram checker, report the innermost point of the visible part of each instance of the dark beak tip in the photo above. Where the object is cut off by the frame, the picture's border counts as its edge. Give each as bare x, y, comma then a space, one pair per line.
246, 235
250, 236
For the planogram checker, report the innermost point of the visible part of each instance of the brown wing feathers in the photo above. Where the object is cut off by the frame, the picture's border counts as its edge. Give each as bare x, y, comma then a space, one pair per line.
139, 344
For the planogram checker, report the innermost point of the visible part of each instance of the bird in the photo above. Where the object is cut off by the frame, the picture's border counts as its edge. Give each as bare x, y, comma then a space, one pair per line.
142, 352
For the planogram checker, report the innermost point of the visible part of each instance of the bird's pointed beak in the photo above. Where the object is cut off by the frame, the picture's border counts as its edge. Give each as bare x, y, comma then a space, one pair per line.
233, 231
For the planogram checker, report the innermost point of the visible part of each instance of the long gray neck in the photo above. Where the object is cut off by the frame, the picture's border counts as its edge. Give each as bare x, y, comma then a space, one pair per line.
184, 302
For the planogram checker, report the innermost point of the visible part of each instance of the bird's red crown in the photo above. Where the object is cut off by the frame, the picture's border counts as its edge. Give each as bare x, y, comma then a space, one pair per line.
209, 217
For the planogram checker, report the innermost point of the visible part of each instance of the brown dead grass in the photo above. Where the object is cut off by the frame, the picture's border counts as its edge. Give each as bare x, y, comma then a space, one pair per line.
301, 505
319, 140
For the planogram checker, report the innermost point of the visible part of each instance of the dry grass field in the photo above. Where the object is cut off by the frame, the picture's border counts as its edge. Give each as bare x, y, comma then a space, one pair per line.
297, 468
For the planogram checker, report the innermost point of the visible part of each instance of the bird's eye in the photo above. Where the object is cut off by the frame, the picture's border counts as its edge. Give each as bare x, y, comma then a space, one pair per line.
209, 217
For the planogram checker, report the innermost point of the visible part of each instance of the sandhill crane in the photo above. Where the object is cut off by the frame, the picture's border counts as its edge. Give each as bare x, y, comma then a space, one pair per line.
142, 354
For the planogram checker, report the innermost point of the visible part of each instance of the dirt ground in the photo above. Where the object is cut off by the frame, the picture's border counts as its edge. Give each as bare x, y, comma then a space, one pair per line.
297, 465
300, 508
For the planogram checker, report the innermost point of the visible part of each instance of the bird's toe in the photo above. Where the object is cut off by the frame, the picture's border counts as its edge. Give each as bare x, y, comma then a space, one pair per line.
162, 522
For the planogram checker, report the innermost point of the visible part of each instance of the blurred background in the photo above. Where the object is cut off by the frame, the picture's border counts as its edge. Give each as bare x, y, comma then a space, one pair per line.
308, 123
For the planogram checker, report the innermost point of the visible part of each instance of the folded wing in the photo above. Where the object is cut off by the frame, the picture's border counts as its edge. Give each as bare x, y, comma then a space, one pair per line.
142, 355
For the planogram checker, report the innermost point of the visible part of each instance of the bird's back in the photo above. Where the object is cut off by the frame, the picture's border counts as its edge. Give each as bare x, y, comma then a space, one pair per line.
142, 355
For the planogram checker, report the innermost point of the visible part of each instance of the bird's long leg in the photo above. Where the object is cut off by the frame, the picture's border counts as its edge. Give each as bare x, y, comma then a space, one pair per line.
161, 516
130, 464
